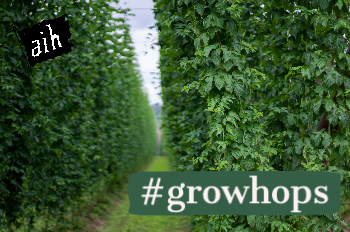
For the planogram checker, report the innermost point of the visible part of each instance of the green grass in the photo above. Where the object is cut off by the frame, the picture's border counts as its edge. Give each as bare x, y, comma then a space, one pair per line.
120, 219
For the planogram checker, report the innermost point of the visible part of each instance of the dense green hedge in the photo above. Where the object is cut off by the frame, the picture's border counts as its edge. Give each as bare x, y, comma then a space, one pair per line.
81, 118
244, 86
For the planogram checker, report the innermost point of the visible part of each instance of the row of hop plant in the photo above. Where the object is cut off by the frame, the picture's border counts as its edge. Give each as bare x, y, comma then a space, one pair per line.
72, 122
244, 88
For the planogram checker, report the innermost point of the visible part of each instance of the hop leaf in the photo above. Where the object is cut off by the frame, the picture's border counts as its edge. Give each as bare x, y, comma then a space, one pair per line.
328, 40
251, 220
228, 65
333, 116
231, 130
327, 139
197, 43
344, 119
291, 119
316, 138
229, 83
321, 63
236, 154
218, 21
226, 55
219, 82
207, 21
200, 8
328, 104
299, 146
329, 78
232, 117
239, 89
347, 83
319, 89
209, 84
323, 4
316, 106
216, 128
208, 49
340, 4
205, 39
337, 46
216, 56
239, 63
342, 150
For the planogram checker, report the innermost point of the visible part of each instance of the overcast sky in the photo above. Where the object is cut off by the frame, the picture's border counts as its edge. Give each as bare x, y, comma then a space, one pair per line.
140, 23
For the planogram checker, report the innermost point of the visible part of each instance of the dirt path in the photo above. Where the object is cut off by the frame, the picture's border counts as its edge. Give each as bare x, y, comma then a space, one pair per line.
119, 218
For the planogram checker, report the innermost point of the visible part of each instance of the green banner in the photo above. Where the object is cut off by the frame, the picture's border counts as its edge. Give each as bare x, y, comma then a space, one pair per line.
234, 193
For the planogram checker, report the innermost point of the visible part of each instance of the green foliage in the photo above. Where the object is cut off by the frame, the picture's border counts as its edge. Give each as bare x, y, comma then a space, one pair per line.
240, 93
70, 122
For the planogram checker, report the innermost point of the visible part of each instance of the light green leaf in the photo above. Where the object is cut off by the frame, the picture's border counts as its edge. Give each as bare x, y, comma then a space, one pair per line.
232, 117
231, 130
328, 104
316, 106
323, 4
333, 116
291, 119
228, 65
251, 220
219, 82
208, 49
197, 43
205, 38
239, 63
327, 139
316, 138
329, 78
216, 56
344, 119
239, 88
321, 63
207, 21
340, 4
226, 55
337, 45
229, 83
209, 84
200, 8
236, 154
299, 146
216, 128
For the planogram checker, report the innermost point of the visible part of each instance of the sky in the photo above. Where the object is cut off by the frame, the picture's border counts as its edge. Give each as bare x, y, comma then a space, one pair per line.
140, 23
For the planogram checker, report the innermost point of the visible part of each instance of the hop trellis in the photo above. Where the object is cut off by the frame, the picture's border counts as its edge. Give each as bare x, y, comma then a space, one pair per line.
72, 122
244, 86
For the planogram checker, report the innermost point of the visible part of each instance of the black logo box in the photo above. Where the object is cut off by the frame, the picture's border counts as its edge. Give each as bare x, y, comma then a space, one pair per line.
46, 40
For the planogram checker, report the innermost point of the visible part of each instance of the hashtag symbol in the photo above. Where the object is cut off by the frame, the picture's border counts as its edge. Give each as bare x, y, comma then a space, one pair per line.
149, 188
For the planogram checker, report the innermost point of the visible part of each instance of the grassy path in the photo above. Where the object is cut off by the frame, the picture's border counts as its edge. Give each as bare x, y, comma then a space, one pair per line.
120, 220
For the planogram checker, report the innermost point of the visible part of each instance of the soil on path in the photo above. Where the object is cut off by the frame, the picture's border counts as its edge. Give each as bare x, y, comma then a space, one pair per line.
119, 218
